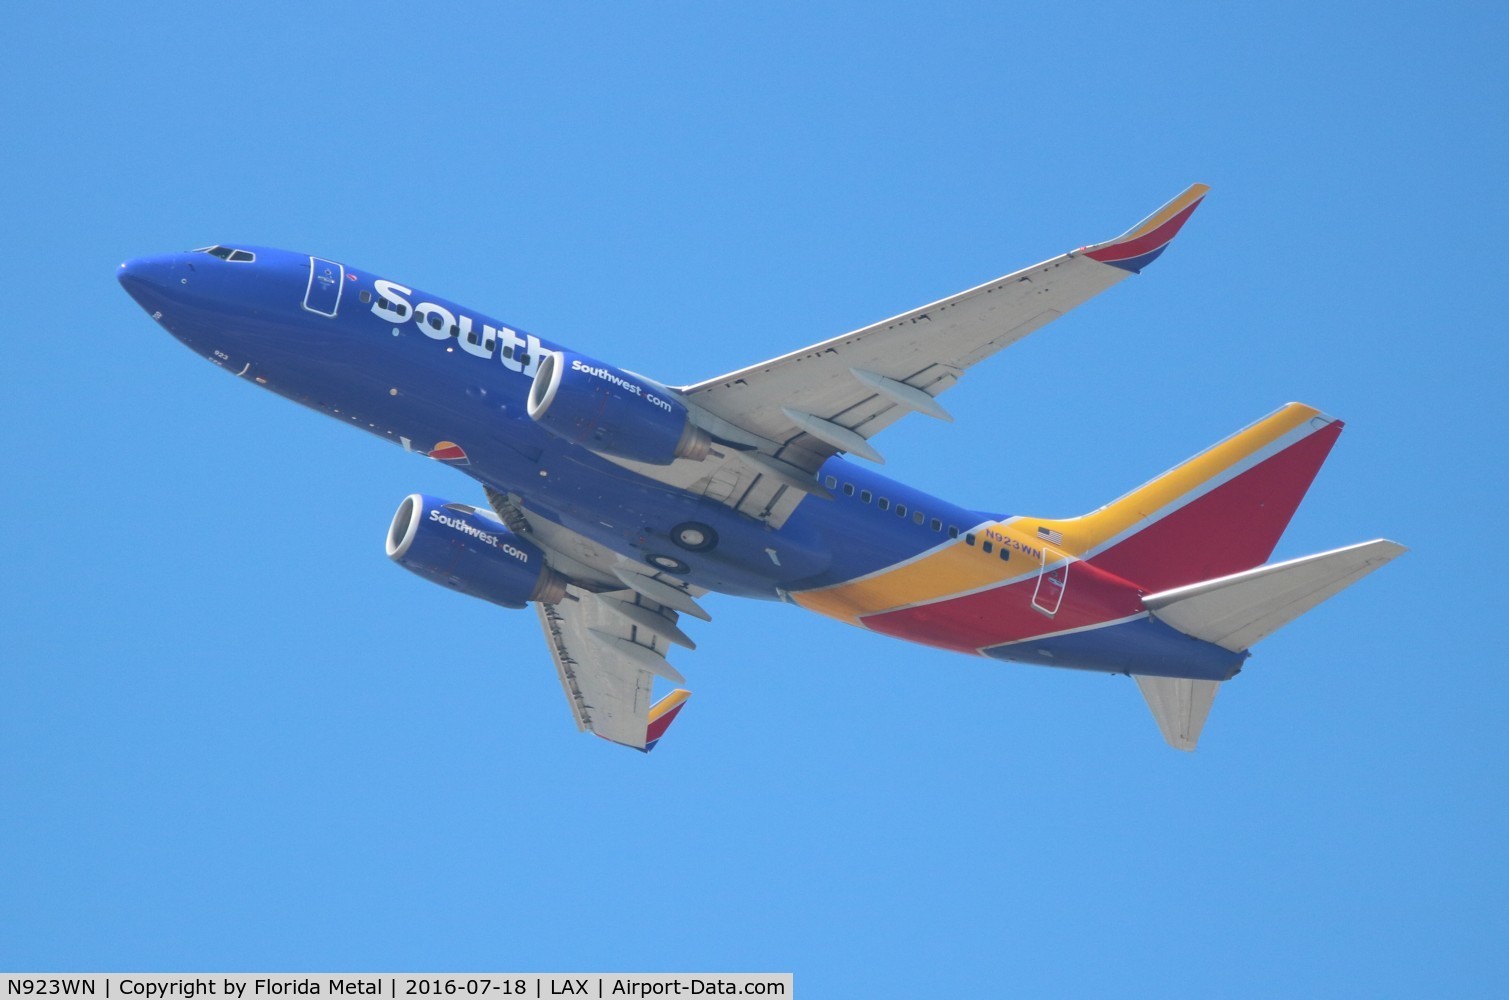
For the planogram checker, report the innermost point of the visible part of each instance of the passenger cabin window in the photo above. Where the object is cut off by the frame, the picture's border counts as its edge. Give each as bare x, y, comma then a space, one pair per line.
986, 546
884, 504
953, 531
936, 524
831, 482
1005, 553
848, 489
865, 496
969, 539
901, 510
917, 518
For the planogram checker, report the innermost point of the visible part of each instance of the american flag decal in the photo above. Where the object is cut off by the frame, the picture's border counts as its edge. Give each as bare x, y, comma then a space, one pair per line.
1048, 534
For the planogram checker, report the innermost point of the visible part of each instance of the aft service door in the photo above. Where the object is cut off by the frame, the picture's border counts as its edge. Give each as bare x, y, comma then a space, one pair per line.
1052, 581
323, 295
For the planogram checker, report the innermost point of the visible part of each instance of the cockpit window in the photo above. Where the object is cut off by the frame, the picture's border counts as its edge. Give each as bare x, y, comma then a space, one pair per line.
228, 253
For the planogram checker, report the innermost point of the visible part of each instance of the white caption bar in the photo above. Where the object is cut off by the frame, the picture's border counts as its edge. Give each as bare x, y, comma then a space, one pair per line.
403, 986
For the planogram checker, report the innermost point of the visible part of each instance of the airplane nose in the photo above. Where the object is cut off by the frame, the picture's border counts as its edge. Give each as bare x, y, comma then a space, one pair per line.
148, 279
146, 272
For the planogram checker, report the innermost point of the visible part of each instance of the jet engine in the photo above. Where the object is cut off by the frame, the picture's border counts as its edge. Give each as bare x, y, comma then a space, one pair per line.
465, 549
613, 412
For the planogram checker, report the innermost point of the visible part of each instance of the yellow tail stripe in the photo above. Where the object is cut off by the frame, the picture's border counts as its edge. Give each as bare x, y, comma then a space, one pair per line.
958, 568
1194, 193
1083, 534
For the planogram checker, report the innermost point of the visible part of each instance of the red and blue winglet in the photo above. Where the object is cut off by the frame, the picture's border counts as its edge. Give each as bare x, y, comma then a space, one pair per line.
1140, 246
662, 714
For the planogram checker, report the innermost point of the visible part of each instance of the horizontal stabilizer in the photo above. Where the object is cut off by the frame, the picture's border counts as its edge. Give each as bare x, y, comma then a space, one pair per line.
1180, 706
1236, 611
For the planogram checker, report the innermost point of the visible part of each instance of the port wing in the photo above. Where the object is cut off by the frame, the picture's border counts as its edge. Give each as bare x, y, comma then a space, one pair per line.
608, 650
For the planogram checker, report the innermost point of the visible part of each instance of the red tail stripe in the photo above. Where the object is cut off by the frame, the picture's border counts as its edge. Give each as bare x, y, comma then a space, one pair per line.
1232, 528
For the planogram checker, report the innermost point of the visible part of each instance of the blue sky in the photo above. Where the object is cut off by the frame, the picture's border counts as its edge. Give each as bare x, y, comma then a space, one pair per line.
235, 737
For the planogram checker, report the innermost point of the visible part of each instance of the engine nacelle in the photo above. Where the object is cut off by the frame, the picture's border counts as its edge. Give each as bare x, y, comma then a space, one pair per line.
613, 412
461, 548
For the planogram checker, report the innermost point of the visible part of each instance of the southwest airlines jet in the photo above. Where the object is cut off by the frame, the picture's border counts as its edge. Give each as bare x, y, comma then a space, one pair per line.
614, 502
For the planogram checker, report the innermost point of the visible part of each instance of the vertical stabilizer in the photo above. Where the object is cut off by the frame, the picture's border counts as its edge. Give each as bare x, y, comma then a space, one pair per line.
1220, 512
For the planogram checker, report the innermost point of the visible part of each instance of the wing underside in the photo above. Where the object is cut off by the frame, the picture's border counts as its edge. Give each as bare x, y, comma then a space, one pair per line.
608, 650
836, 395
779, 420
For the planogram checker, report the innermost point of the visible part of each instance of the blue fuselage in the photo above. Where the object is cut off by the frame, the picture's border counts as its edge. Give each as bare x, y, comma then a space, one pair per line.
424, 372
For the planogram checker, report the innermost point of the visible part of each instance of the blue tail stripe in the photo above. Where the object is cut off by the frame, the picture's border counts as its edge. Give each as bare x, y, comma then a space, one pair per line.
1142, 646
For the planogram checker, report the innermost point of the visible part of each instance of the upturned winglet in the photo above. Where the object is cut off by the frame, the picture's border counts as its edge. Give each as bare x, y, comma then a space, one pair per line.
662, 715
1140, 246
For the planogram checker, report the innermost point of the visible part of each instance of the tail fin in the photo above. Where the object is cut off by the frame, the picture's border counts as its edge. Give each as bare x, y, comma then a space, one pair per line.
1236, 611
1219, 513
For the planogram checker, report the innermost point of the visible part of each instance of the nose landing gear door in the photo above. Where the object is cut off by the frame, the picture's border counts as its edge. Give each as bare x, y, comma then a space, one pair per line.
323, 295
